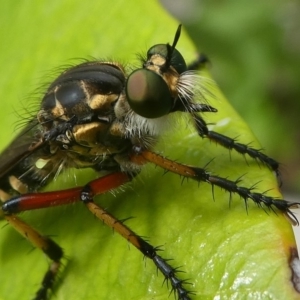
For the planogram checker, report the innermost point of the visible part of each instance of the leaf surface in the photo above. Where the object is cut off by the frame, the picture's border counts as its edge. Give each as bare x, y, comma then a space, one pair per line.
226, 253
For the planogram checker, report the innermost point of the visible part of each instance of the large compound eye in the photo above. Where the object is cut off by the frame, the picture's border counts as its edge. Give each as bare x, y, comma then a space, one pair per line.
177, 61
148, 94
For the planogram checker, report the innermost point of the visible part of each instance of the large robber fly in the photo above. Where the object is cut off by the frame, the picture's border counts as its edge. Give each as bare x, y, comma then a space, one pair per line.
94, 115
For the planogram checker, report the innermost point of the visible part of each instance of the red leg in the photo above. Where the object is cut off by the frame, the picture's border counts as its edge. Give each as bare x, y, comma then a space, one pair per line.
42, 200
85, 194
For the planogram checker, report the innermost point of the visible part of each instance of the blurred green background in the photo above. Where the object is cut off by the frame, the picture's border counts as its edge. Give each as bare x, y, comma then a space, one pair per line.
254, 49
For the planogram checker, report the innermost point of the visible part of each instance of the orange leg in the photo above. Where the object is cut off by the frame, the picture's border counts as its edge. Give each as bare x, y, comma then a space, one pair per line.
199, 174
48, 246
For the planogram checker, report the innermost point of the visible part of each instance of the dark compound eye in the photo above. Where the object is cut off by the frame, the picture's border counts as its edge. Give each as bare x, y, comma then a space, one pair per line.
177, 61
148, 94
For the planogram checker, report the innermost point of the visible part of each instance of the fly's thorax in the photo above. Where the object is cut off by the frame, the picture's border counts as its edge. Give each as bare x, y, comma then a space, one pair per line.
85, 93
78, 108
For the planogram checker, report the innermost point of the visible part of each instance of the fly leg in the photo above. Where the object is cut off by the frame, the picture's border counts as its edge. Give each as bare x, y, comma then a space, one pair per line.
201, 175
221, 139
86, 194
53, 251
169, 272
32, 201
231, 143
199, 62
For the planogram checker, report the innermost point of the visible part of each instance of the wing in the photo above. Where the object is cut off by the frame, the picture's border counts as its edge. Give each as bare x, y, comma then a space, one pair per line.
25, 144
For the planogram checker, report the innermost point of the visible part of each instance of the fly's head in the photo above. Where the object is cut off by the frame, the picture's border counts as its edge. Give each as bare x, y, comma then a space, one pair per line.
164, 83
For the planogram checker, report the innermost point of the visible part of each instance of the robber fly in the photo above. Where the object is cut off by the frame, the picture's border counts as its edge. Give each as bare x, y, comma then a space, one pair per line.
94, 115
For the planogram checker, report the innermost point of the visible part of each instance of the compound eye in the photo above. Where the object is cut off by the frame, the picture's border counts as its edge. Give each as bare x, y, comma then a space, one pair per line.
160, 49
148, 94
177, 60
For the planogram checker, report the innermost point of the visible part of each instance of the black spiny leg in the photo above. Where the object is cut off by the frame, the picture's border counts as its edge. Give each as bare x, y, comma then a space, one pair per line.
170, 273
201, 175
199, 62
231, 143
48, 246
221, 139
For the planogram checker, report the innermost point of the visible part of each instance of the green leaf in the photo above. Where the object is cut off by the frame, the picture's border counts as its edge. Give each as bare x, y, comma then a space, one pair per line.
226, 252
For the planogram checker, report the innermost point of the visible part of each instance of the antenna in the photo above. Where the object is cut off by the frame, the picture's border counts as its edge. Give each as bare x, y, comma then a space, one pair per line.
170, 48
